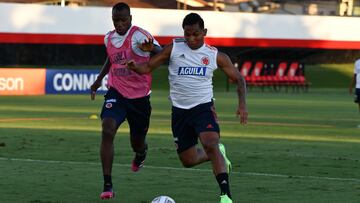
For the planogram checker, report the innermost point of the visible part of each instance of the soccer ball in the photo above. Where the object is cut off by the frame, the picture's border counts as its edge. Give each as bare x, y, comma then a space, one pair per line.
163, 199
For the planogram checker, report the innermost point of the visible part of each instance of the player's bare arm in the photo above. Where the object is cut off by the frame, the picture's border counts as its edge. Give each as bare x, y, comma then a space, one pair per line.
97, 83
154, 62
234, 75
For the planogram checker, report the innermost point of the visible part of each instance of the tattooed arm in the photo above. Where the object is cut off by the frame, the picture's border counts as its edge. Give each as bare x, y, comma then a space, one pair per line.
225, 64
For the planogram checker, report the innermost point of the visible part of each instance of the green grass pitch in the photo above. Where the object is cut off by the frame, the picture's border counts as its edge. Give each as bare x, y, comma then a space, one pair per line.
296, 148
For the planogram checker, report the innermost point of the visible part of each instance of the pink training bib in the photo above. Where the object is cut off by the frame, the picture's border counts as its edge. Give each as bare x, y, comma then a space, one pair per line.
128, 83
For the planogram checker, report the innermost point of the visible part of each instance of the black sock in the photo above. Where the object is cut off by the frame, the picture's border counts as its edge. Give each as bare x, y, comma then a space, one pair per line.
107, 183
140, 156
142, 152
223, 181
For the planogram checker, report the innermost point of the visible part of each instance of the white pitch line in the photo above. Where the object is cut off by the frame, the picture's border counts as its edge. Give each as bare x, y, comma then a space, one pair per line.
185, 169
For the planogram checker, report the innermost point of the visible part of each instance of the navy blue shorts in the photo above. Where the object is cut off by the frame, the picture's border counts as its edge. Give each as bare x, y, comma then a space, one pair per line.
136, 111
187, 124
357, 95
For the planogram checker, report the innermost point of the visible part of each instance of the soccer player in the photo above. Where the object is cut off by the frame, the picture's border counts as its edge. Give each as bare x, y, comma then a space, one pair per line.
356, 82
191, 66
129, 92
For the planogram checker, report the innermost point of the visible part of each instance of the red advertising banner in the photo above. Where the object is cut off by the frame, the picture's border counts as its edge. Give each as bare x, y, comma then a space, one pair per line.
22, 81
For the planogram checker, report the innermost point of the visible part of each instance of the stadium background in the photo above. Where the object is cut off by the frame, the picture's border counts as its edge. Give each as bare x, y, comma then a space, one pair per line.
59, 37
34, 34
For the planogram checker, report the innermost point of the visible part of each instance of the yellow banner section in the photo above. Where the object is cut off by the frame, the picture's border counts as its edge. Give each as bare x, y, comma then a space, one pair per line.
22, 81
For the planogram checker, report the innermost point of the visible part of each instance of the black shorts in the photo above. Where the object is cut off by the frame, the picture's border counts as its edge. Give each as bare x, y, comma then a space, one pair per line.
357, 95
136, 111
187, 124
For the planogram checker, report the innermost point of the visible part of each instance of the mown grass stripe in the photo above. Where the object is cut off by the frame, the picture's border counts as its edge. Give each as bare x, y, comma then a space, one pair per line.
184, 169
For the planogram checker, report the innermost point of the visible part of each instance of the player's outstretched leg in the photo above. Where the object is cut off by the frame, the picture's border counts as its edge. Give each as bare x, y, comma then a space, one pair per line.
220, 163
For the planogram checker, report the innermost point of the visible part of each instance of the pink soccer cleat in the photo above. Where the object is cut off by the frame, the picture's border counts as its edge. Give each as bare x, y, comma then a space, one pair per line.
138, 161
107, 195
135, 167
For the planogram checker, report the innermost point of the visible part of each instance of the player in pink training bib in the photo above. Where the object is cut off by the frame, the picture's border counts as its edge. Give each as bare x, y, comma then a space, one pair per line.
128, 96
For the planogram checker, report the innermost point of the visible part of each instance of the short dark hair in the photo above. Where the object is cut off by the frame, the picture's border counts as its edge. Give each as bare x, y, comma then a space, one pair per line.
121, 6
192, 19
